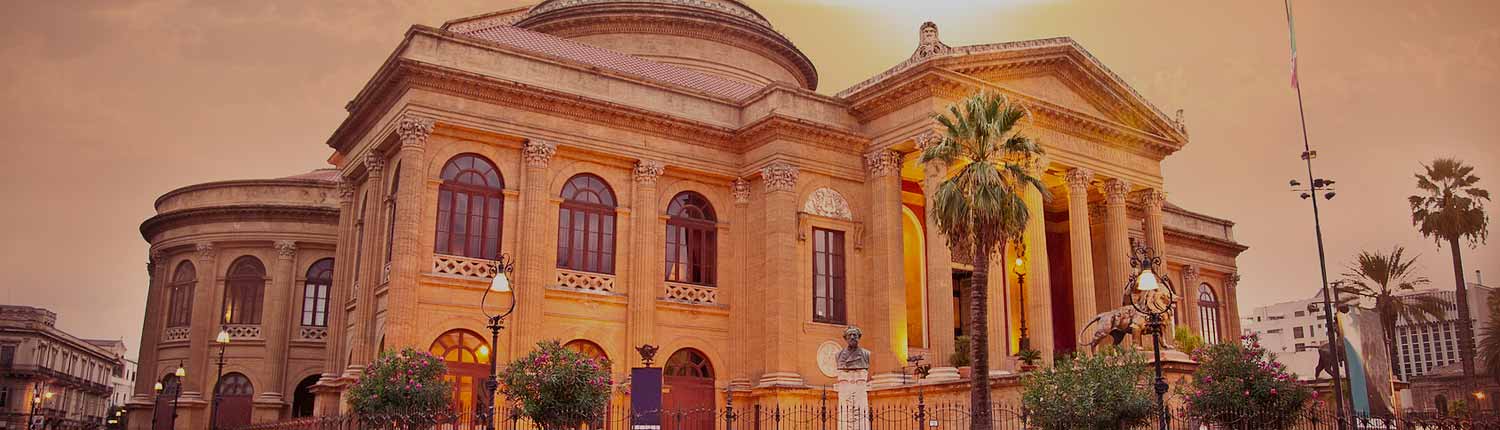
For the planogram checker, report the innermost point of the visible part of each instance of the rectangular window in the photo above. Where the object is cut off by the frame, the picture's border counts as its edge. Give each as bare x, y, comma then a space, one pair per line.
828, 276
1300, 313
7, 356
315, 305
4, 397
1297, 332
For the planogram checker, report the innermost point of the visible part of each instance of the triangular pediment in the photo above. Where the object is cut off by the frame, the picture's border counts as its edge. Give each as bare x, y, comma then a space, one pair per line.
1055, 88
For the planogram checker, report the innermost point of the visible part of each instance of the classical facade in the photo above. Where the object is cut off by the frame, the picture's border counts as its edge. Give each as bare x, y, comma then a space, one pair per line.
664, 172
122, 375
49, 377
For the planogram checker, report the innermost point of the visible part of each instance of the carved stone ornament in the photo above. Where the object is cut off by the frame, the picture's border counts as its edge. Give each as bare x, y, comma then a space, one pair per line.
928, 44
538, 152
1152, 199
741, 190
286, 248
205, 250
780, 176
1115, 191
1232, 281
648, 354
346, 191
1189, 273
881, 163
853, 357
927, 139
1078, 179
374, 163
414, 130
828, 203
646, 171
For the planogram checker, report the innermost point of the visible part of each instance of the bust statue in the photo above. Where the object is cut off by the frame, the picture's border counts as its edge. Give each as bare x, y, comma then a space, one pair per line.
853, 357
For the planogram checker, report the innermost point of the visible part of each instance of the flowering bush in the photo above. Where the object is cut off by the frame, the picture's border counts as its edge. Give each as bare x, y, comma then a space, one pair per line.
557, 387
404, 388
1243, 381
1104, 391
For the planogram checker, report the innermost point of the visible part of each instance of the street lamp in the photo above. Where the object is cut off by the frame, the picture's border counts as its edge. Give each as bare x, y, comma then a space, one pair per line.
1326, 187
1020, 270
176, 391
501, 284
155, 402
38, 396
1151, 294
223, 342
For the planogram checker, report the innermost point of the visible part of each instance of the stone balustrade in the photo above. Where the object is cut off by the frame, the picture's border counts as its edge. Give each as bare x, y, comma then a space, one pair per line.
176, 334
586, 281
310, 333
243, 331
463, 266
691, 293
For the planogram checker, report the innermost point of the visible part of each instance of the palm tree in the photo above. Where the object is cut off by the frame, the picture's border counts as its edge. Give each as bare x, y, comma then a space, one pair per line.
1378, 277
1450, 209
980, 207
1489, 339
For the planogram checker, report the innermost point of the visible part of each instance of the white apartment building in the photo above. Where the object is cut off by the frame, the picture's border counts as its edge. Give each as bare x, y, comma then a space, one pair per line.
1288, 327
122, 376
1423, 347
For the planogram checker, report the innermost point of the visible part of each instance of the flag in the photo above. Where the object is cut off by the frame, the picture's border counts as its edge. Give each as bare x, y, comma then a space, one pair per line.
1292, 32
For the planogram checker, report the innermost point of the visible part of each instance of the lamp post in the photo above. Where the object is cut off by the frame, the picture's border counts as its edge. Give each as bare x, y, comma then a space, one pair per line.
501, 284
155, 401
1151, 294
38, 395
223, 342
1020, 271
1311, 193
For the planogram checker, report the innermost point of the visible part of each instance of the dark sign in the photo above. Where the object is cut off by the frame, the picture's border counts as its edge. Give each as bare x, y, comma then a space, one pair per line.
645, 398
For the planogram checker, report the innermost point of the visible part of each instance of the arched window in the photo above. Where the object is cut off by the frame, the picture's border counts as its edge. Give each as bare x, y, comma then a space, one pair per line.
692, 240
180, 295
586, 225
469, 208
235, 395
315, 293
468, 359
390, 214
1208, 314
689, 362
588, 348
303, 397
244, 289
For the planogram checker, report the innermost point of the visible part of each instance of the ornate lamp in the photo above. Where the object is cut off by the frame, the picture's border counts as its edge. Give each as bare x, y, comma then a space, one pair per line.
1151, 294
222, 340
1020, 270
501, 284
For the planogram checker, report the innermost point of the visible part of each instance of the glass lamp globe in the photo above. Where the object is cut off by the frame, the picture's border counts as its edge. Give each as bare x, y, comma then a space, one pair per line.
223, 337
501, 283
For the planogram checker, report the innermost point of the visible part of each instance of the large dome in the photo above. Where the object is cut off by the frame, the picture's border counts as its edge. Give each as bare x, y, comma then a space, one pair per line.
719, 37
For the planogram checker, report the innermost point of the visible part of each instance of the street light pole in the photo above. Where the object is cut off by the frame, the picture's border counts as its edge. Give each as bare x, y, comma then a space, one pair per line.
38, 395
223, 342
1020, 271
1312, 193
1151, 294
177, 392
501, 284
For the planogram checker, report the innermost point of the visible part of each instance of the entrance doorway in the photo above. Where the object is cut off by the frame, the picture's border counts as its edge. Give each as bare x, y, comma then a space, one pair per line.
171, 385
688, 383
468, 358
235, 400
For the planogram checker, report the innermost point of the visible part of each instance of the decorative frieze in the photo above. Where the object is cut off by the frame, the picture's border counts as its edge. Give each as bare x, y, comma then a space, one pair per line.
414, 130
646, 172
1189, 273
882, 163
463, 266
780, 176
205, 251
828, 203
538, 152
286, 248
585, 281
691, 294
243, 331
176, 334
927, 139
740, 188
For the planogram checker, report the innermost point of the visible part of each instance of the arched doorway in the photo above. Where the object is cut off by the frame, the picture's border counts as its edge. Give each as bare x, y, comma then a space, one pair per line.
593, 350
235, 400
163, 411
688, 382
302, 397
468, 359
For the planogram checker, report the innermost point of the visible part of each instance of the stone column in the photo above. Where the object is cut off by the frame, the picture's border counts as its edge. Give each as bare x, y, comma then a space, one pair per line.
783, 314
1151, 200
1116, 240
158, 273
278, 319
742, 309
406, 255
1189, 302
645, 274
204, 323
1080, 245
536, 263
368, 276
940, 313
1231, 306
1038, 280
328, 388
999, 325
887, 277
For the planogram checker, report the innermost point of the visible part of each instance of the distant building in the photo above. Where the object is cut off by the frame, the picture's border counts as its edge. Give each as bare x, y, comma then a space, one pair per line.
122, 376
68, 376
1423, 347
1288, 327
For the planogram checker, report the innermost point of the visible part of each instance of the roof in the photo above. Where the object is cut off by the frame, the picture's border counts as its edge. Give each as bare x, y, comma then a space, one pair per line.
563, 49
326, 175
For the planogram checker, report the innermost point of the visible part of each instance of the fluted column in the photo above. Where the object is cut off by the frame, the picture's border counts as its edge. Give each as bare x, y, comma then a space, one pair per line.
204, 322
1038, 279
783, 318
1189, 292
1231, 307
645, 274
536, 263
406, 254
1116, 240
278, 319
368, 277
1151, 200
940, 315
887, 277
1080, 246
742, 309
327, 389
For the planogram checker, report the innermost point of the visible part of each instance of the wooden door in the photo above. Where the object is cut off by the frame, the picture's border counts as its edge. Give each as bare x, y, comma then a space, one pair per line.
236, 400
688, 401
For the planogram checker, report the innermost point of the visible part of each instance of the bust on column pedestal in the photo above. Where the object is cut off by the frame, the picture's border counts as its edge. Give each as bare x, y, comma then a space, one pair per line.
853, 383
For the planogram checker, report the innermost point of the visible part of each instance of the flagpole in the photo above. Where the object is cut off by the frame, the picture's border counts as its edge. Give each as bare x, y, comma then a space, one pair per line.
1307, 156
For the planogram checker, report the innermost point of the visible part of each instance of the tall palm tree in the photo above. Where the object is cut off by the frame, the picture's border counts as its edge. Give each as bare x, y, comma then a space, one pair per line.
1376, 277
1489, 339
980, 207
1450, 209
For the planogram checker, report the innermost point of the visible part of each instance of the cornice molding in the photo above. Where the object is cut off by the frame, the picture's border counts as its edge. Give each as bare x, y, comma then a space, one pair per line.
776, 126
236, 213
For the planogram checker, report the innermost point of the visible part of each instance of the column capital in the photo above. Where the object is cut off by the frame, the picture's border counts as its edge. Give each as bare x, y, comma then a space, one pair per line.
927, 139
881, 163
1151, 198
286, 249
647, 171
206, 250
1189, 273
1115, 191
374, 163
1232, 281
346, 191
414, 130
740, 188
780, 176
538, 152
1078, 179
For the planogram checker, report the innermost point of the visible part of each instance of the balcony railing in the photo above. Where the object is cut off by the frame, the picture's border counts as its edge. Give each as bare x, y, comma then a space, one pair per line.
243, 331
317, 334
585, 281
463, 266
692, 293
175, 334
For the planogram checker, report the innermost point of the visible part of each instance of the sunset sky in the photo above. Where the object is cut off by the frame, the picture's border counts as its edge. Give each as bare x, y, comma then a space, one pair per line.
109, 104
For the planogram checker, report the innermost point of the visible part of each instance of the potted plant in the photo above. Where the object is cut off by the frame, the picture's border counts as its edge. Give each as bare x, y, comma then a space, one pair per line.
403, 390
558, 388
1028, 358
1105, 391
1240, 382
960, 357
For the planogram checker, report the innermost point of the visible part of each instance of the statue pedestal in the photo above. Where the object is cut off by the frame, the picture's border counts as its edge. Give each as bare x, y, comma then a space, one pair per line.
854, 399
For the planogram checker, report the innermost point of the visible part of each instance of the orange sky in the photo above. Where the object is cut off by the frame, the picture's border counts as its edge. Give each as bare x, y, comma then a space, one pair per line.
109, 104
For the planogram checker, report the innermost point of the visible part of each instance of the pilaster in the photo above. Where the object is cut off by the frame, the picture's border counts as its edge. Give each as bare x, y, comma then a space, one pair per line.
1231, 307
645, 276
367, 280
328, 389
535, 263
406, 255
204, 322
887, 278
742, 309
1081, 247
782, 313
157, 272
278, 319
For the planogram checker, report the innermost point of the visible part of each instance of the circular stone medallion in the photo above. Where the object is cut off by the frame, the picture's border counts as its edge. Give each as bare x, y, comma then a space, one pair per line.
828, 354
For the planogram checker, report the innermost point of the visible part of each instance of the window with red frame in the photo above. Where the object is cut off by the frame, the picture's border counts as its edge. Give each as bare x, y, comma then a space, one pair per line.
692, 240
586, 225
470, 202
180, 295
1208, 314
244, 289
828, 276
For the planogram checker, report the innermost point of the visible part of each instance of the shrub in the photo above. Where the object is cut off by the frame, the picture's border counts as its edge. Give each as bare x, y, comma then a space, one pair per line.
960, 357
1104, 391
404, 388
1240, 383
557, 387
1186, 340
